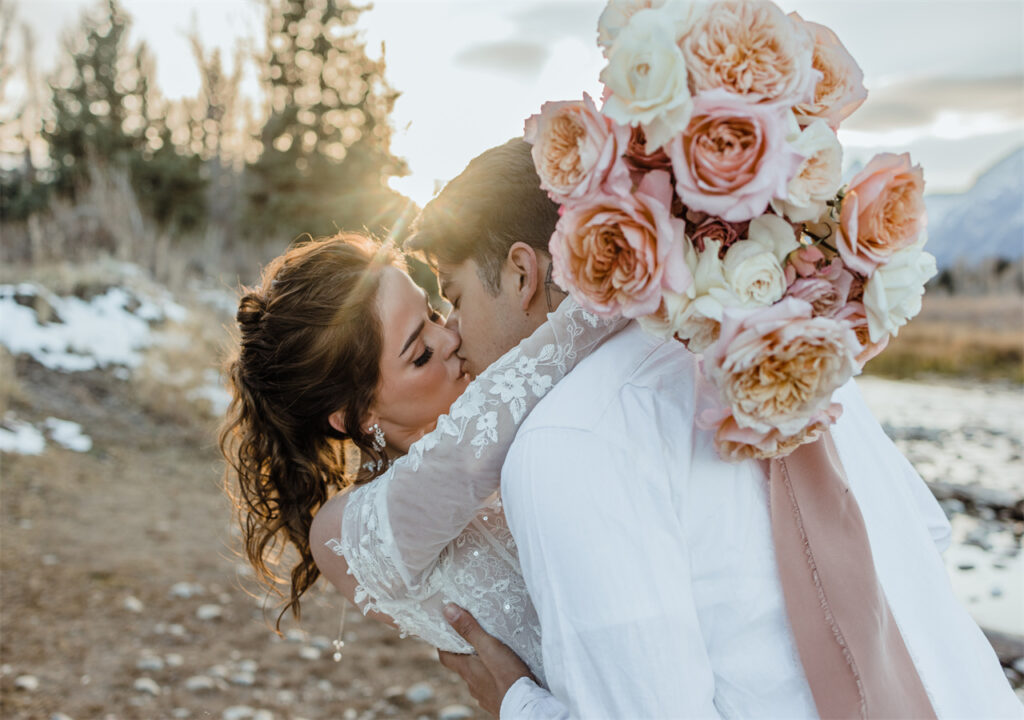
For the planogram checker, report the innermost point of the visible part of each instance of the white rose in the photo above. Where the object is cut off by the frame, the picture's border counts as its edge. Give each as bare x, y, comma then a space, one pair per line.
819, 177
646, 78
695, 315
617, 14
893, 293
753, 267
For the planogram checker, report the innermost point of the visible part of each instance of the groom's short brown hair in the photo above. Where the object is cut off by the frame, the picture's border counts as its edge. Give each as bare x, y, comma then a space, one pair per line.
495, 202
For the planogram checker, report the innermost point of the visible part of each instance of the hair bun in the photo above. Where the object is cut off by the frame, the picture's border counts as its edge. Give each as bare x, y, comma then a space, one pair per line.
251, 309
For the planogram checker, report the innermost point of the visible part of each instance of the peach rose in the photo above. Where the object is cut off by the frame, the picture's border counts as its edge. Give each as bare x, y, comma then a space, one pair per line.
617, 254
855, 315
732, 158
752, 49
883, 212
736, 444
777, 367
841, 89
576, 150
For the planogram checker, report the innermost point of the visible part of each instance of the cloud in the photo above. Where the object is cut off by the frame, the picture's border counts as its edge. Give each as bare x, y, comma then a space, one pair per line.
509, 56
550, 21
924, 101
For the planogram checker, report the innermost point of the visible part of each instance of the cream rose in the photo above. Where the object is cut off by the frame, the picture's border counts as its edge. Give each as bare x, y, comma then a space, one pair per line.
841, 89
752, 49
646, 79
819, 176
778, 366
883, 212
617, 254
754, 267
893, 292
576, 150
694, 316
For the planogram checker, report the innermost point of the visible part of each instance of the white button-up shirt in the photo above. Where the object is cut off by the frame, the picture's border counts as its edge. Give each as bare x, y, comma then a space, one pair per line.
651, 564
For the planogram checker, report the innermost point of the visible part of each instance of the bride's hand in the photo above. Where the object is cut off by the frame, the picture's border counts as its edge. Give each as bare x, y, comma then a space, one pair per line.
492, 671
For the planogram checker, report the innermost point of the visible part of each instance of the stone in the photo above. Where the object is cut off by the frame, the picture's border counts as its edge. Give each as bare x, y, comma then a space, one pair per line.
263, 715
286, 697
200, 683
245, 679
147, 685
309, 652
176, 629
209, 612
237, 712
295, 635
60, 716
419, 693
133, 604
174, 660
349, 714
180, 713
50, 560
27, 682
220, 671
250, 666
454, 712
150, 663
1018, 665
320, 642
185, 590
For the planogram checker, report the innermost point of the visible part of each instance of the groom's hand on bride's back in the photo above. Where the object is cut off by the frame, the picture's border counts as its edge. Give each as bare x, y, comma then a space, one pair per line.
492, 671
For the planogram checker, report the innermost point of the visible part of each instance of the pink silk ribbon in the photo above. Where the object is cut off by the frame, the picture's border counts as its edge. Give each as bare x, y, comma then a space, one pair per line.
852, 652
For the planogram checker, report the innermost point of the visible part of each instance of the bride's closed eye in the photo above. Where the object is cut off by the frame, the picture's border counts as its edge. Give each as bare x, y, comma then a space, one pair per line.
424, 358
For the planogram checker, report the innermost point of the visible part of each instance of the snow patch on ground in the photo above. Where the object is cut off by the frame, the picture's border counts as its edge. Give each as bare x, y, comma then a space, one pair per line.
20, 437
68, 434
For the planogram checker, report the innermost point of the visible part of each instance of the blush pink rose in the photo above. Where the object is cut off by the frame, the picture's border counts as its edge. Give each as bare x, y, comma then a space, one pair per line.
776, 367
736, 444
617, 254
733, 157
825, 285
751, 49
841, 89
883, 212
576, 150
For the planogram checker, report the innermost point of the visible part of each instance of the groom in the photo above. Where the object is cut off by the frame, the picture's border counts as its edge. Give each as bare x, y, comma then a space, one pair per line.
650, 560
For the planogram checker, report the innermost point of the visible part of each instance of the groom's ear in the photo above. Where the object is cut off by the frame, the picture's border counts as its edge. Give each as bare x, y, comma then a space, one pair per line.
522, 266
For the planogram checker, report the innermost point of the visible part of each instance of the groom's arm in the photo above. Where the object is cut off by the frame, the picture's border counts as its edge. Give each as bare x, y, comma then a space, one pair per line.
607, 566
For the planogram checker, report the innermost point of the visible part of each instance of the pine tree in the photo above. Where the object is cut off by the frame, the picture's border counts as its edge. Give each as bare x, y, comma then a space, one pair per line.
326, 154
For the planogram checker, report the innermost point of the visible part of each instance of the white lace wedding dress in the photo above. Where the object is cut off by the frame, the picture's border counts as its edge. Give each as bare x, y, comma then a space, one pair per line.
431, 529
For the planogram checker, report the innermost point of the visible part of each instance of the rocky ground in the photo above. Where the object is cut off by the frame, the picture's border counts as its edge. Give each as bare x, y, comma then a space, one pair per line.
121, 595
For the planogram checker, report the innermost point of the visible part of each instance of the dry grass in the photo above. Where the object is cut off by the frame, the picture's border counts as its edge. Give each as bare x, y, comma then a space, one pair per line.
12, 391
978, 337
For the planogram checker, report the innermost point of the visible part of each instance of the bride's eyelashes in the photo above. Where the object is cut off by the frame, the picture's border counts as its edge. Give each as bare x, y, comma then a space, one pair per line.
423, 359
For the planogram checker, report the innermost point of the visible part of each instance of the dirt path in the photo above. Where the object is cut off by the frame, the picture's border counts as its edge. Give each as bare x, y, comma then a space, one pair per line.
107, 558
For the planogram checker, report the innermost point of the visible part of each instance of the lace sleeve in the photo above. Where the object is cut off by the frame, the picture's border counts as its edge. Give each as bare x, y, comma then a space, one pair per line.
394, 535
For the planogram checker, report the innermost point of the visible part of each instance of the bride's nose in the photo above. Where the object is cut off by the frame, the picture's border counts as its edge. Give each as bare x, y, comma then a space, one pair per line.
450, 339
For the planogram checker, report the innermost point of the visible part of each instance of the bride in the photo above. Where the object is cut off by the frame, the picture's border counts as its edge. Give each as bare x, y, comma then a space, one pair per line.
344, 379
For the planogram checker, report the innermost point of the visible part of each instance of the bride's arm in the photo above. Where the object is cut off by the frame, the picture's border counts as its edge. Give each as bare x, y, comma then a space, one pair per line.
437, 488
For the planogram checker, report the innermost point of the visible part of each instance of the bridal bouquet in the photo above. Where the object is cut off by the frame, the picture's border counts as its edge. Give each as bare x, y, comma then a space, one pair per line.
705, 198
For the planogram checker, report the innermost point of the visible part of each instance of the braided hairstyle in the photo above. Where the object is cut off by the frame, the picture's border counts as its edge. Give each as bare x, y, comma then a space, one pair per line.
310, 344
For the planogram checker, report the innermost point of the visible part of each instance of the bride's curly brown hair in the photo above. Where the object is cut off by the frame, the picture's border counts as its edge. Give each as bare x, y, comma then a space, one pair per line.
309, 345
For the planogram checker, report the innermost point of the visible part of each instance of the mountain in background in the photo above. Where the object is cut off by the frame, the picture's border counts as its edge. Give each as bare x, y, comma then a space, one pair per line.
986, 221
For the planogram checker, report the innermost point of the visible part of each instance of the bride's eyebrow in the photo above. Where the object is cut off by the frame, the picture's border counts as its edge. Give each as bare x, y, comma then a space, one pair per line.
417, 331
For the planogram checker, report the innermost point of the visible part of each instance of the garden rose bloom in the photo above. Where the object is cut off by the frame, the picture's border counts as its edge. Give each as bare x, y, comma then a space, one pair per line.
893, 293
753, 267
576, 150
717, 229
777, 366
841, 89
617, 14
732, 158
694, 316
752, 49
616, 254
883, 212
854, 315
646, 81
818, 178
736, 444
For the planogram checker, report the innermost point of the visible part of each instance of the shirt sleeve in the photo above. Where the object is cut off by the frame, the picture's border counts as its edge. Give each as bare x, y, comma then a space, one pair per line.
606, 563
526, 700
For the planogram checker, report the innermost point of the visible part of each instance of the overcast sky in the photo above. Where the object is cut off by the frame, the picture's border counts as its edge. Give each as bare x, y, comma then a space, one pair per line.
945, 79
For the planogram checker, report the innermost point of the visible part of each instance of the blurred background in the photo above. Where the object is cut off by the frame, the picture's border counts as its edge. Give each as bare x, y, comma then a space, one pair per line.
155, 153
